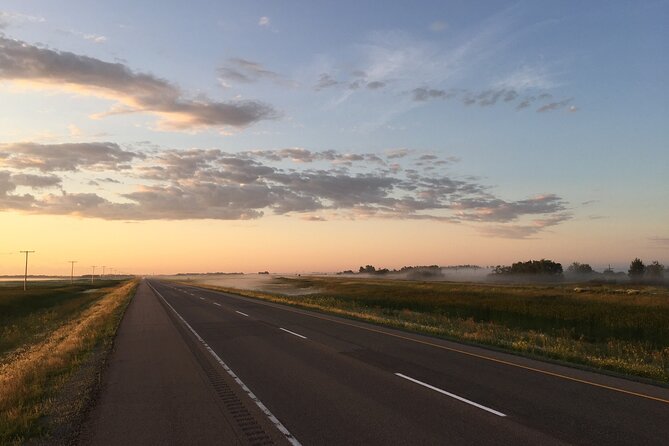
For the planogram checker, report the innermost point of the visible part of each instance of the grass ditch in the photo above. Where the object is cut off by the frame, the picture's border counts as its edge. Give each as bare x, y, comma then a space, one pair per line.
621, 329
75, 320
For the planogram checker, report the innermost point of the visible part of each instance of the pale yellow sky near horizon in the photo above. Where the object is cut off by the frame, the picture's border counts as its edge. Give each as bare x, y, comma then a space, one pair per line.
283, 244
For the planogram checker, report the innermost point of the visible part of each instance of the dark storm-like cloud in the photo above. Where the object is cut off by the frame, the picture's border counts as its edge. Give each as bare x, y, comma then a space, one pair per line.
138, 92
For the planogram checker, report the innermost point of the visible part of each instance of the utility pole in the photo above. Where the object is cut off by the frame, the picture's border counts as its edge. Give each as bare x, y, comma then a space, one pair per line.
93, 275
103, 272
25, 276
72, 262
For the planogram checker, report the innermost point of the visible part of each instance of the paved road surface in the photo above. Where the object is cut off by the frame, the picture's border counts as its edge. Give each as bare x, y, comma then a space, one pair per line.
318, 379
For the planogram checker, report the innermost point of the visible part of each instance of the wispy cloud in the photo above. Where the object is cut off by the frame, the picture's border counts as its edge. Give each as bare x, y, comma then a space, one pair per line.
428, 69
524, 231
137, 92
264, 21
238, 70
552, 106
16, 18
660, 242
528, 77
325, 80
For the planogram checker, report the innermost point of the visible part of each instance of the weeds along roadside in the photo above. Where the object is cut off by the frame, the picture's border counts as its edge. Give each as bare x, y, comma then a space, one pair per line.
622, 352
30, 380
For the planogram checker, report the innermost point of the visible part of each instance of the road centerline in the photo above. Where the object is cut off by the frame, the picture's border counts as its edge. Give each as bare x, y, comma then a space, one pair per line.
304, 312
293, 333
452, 395
243, 314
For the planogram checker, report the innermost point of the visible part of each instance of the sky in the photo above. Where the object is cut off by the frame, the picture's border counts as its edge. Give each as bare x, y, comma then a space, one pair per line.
305, 136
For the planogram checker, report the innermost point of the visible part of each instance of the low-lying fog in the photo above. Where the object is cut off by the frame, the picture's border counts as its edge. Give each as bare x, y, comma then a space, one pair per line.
256, 282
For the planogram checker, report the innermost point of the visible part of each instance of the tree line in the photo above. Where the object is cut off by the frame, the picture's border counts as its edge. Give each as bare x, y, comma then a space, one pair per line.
637, 270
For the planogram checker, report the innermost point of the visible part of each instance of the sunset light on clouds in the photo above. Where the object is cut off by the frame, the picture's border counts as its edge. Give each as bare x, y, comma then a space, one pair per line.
219, 136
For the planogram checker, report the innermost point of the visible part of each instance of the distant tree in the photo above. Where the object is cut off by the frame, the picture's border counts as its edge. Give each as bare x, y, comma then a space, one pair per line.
501, 269
579, 268
531, 267
655, 270
637, 269
369, 269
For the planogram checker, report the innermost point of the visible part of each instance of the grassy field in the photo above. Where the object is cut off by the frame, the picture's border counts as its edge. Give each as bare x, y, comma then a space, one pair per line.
46, 333
612, 327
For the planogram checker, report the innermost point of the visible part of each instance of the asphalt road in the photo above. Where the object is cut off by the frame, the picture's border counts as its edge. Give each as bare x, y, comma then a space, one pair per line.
317, 379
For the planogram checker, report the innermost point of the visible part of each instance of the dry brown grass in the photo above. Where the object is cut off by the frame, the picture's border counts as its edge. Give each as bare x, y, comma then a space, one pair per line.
29, 379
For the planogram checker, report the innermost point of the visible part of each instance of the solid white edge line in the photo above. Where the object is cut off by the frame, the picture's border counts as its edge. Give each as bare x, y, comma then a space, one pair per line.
217, 304
452, 395
291, 439
293, 333
243, 314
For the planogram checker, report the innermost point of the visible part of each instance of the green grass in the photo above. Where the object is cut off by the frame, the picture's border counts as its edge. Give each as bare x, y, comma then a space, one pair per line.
619, 328
27, 316
76, 320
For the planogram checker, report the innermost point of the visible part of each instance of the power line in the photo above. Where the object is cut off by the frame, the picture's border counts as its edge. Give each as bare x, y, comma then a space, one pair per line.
25, 276
93, 275
72, 271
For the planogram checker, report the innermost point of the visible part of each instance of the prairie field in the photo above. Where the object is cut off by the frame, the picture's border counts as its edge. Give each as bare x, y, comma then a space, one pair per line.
619, 328
47, 332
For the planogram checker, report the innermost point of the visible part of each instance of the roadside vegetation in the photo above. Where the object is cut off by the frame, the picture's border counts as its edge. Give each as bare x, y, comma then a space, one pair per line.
46, 333
620, 328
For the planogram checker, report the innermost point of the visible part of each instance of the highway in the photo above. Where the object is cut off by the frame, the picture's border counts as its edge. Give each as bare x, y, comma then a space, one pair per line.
315, 379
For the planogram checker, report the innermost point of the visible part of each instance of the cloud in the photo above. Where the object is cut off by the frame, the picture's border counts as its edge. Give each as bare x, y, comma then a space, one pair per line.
238, 70
524, 231
396, 153
214, 184
325, 81
552, 106
313, 218
527, 77
263, 21
16, 18
136, 92
490, 97
375, 85
422, 94
35, 181
95, 38
66, 157
498, 210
